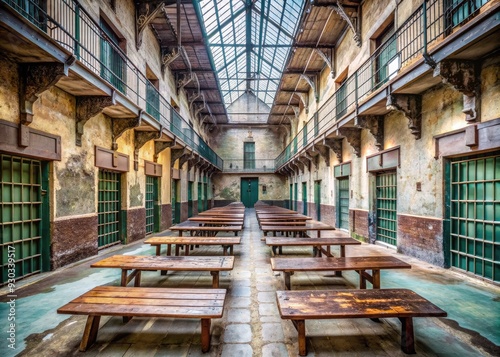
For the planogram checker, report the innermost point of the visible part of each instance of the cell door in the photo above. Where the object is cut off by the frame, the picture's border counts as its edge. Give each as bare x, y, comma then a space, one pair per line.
176, 214
474, 194
200, 198
386, 191
205, 196
249, 191
317, 199
109, 209
290, 205
295, 195
190, 199
304, 198
152, 223
24, 218
343, 203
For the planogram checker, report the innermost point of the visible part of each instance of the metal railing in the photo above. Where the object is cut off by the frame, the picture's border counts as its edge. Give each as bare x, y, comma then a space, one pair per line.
71, 26
243, 166
410, 41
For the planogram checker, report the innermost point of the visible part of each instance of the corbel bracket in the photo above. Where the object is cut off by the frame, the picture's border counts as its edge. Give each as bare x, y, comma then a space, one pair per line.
141, 138
411, 106
353, 21
353, 136
162, 145
177, 154
88, 107
307, 160
311, 80
375, 125
293, 168
328, 59
299, 164
169, 55
464, 77
36, 78
304, 98
121, 125
145, 13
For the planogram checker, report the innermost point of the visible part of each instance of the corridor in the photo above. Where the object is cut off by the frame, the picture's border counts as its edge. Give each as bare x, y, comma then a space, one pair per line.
251, 325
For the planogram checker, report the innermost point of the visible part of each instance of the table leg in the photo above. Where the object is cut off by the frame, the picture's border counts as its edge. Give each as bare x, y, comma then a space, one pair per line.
90, 332
362, 279
215, 280
301, 329
158, 249
124, 281
407, 335
205, 335
376, 278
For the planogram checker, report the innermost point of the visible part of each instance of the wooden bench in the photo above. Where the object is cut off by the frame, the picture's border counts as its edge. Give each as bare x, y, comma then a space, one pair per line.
360, 264
404, 304
317, 243
204, 304
227, 243
138, 263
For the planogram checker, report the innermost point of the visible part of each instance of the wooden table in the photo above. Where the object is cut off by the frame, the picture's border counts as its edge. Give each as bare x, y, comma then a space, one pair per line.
226, 242
205, 230
359, 264
317, 243
215, 219
404, 304
204, 304
138, 263
297, 229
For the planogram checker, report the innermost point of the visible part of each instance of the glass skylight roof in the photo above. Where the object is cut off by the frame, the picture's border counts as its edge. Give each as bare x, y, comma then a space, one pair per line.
249, 48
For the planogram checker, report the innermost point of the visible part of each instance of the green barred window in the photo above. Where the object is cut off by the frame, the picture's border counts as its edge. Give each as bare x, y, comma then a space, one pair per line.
109, 205
21, 217
386, 208
475, 216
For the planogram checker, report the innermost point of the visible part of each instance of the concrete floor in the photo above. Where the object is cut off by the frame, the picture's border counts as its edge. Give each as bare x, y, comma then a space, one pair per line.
251, 325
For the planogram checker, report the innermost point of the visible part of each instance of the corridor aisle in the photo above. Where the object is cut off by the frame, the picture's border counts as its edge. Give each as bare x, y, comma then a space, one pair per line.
251, 325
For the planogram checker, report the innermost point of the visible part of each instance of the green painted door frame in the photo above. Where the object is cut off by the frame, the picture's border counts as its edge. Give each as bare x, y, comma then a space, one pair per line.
304, 198
249, 191
317, 199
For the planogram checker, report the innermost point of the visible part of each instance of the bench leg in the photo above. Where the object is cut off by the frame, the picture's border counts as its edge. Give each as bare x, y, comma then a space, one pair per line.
407, 335
205, 335
288, 284
90, 332
300, 325
215, 280
158, 249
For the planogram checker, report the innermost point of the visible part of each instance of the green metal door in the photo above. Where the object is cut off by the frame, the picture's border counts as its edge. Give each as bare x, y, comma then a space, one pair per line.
474, 193
249, 191
343, 203
24, 240
109, 208
190, 199
205, 196
304, 198
290, 205
386, 191
295, 195
200, 197
317, 199
151, 203
176, 214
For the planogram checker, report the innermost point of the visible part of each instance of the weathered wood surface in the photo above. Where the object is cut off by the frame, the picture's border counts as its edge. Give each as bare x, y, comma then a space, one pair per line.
146, 302
138, 263
225, 242
359, 264
404, 304
318, 243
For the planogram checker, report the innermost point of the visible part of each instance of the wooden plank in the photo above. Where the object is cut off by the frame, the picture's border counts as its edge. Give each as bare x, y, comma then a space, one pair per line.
345, 263
152, 262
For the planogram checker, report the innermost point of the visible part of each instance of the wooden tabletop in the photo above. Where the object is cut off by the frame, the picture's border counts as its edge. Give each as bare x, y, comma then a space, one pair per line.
215, 219
332, 304
286, 241
153, 262
343, 263
193, 240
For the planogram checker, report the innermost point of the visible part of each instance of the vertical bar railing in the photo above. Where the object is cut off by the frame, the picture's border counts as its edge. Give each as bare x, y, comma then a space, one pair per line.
71, 26
432, 21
